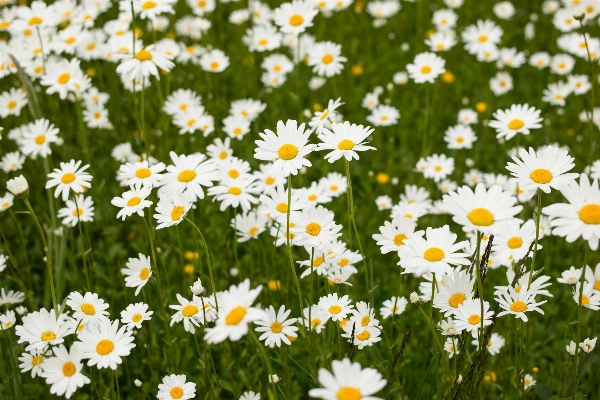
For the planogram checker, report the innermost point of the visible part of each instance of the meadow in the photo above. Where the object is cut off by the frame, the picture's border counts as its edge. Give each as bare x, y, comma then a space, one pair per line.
328, 199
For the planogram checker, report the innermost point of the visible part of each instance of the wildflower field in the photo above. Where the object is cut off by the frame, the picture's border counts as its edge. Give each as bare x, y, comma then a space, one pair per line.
330, 199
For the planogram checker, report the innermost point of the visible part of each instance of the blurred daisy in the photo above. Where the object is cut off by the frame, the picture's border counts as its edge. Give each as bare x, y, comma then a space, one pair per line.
317, 319
287, 149
137, 272
322, 118
570, 276
151, 9
214, 61
8, 320
32, 361
12, 161
426, 67
363, 336
326, 59
543, 170
460, 137
135, 314
344, 140
589, 297
512, 242
12, 101
277, 327
144, 63
37, 137
106, 346
175, 387
235, 193
82, 209
384, 115
393, 306
295, 17
519, 118
348, 381
69, 177
249, 225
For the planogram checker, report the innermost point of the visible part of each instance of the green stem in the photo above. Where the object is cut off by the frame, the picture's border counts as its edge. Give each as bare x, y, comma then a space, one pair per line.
212, 281
579, 318
537, 235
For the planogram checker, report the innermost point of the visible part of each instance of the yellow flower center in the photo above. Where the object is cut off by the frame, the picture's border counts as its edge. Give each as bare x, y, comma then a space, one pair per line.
143, 55
263, 42
105, 347
365, 320
474, 319
148, 5
426, 69
282, 208
253, 231
235, 316
48, 336
189, 311
518, 306
516, 124
585, 300
214, 65
515, 242
186, 176
482, 39
136, 318
399, 239
177, 212
456, 299
343, 262
223, 155
68, 178
481, 217
235, 190
276, 327
296, 20
237, 131
37, 360
287, 152
176, 392
64, 78
144, 274
12, 105
134, 201
88, 309
35, 21
541, 176
433, 254
40, 139
77, 212
363, 336
327, 59
346, 145
315, 322
68, 368
318, 261
313, 229
335, 309
348, 393
597, 285
590, 214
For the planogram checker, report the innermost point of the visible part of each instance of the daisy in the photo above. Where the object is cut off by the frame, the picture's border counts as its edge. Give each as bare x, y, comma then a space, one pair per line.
37, 137
460, 137
593, 276
249, 226
135, 314
150, 9
325, 59
316, 320
448, 327
262, 38
468, 316
236, 126
348, 381
235, 193
267, 179
493, 345
88, 308
180, 100
589, 298
433, 254
520, 118
277, 327
540, 60
144, 63
175, 387
363, 336
512, 243
61, 76
32, 361
141, 173
63, 371
528, 381
220, 150
453, 291
12, 161
82, 209
315, 194
570, 276
438, 167
133, 201
277, 64
3, 260
107, 345
11, 297
556, 93
188, 311
41, 329
482, 210
12, 101
214, 61
426, 67
384, 115
482, 37
518, 303
450, 348
588, 345
6, 201
334, 184
188, 175
562, 64
579, 217
250, 396
8, 320
287, 149
544, 169
247, 108
295, 17
394, 234
440, 41
315, 227
412, 211
275, 205
235, 312
344, 140
393, 306
336, 308
137, 272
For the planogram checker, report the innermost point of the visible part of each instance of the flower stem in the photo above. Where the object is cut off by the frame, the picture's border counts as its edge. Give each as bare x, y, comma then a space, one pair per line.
579, 318
537, 235
210, 272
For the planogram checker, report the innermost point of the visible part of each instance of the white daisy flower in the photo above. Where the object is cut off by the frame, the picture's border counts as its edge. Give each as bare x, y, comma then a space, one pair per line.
171, 211
348, 381
41, 329
89, 308
344, 140
33, 361
315, 227
426, 67
469, 315
141, 173
519, 118
188, 175
133, 201
395, 233
335, 307
63, 371
518, 303
137, 272
276, 327
175, 387
393, 306
106, 346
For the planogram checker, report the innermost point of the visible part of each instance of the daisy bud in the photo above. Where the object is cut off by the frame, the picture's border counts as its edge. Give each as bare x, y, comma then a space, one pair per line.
571, 349
274, 379
469, 162
234, 272
18, 186
137, 383
21, 310
197, 288
404, 47
415, 299
579, 16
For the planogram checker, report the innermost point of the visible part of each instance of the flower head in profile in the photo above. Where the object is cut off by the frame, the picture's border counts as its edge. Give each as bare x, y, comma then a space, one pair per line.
348, 381
344, 140
287, 148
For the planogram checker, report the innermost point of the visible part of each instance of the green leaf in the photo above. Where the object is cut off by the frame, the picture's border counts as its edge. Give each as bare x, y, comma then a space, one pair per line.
225, 385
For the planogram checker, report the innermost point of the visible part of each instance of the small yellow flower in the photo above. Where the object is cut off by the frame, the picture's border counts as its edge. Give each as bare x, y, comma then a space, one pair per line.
382, 178
274, 285
448, 77
188, 269
481, 107
318, 107
357, 70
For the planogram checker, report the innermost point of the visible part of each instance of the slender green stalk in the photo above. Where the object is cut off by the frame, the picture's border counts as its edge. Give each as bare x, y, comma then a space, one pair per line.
437, 341
210, 271
580, 319
289, 248
47, 252
537, 235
